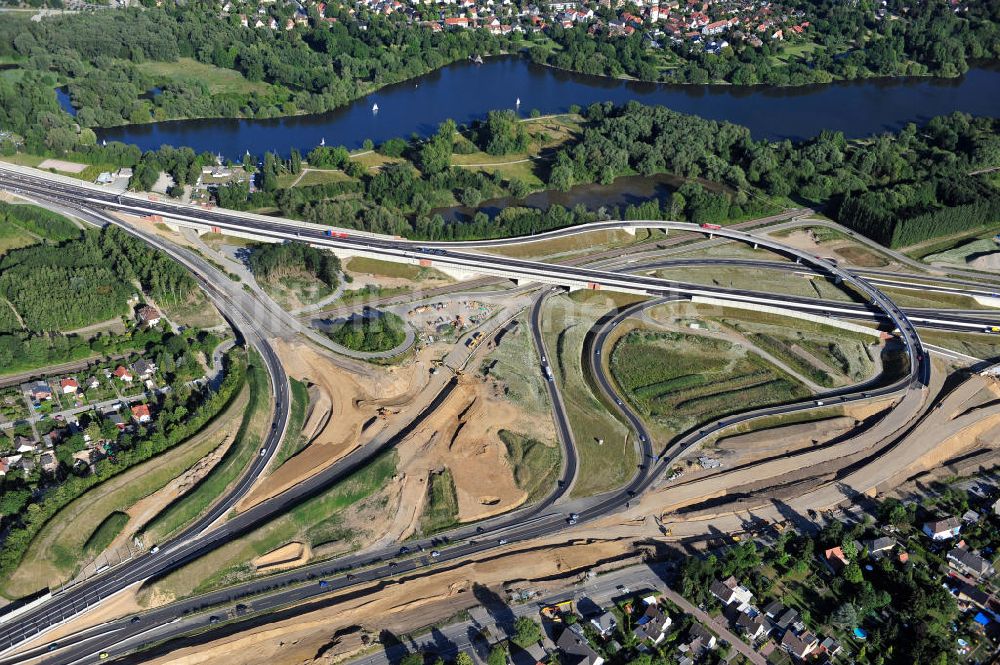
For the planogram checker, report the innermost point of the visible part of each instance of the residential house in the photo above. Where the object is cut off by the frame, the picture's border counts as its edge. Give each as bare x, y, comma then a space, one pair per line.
575, 648
699, 640
52, 438
27, 464
967, 593
729, 591
604, 623
830, 647
753, 626
143, 368
150, 315
653, 624
49, 463
878, 546
970, 517
92, 383
800, 645
117, 421
123, 374
40, 390
782, 617
141, 413
69, 386
969, 563
943, 529
996, 507
24, 445
836, 558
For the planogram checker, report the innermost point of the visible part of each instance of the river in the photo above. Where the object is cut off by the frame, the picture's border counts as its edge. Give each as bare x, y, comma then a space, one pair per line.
465, 92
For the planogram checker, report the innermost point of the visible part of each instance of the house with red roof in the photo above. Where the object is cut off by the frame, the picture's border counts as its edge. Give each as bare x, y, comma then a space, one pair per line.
141, 413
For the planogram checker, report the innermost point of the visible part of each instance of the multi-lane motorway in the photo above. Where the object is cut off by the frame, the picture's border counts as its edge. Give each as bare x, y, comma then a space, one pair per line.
539, 520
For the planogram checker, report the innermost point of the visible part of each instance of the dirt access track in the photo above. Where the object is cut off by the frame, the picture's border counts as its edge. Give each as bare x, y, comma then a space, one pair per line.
398, 606
344, 409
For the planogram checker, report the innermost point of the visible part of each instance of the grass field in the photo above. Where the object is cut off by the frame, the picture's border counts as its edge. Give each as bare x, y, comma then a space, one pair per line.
315, 522
844, 356
960, 253
514, 363
536, 465
984, 346
293, 441
571, 245
795, 51
218, 79
379, 268
54, 554
109, 529
13, 237
951, 247
932, 299
607, 455
441, 509
771, 281
312, 177
679, 380
253, 427
89, 173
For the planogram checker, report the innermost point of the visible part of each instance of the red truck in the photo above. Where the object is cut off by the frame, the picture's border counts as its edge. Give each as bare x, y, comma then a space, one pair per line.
714, 227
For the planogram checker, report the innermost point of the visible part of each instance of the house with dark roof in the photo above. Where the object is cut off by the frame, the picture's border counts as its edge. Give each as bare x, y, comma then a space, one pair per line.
143, 368
969, 563
576, 650
945, 529
799, 646
753, 626
699, 640
604, 623
829, 646
781, 617
653, 624
728, 591
967, 593
878, 546
39, 390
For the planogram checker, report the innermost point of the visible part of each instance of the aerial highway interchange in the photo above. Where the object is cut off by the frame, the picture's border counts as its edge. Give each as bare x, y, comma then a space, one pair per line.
281, 590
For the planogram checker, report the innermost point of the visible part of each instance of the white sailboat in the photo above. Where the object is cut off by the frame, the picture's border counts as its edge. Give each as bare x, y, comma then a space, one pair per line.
374, 108
322, 141
518, 102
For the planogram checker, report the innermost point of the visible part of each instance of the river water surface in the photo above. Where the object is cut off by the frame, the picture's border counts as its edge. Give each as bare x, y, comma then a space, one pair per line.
465, 92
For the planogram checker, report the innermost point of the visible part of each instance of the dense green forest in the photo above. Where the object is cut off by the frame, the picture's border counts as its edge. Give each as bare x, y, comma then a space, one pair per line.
270, 261
60, 287
895, 188
852, 43
372, 331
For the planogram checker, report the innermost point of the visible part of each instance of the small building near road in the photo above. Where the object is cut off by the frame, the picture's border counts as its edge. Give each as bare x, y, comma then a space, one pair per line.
149, 316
